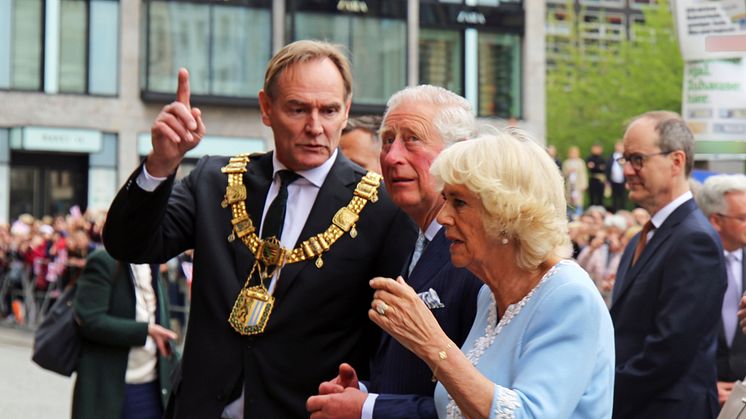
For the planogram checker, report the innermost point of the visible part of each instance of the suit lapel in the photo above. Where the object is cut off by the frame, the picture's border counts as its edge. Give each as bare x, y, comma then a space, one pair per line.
335, 193
627, 273
257, 179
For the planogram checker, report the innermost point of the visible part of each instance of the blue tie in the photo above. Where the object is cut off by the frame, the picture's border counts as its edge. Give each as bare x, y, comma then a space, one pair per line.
419, 247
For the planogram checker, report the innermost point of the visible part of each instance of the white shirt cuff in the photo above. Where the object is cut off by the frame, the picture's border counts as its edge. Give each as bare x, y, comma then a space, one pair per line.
370, 402
148, 182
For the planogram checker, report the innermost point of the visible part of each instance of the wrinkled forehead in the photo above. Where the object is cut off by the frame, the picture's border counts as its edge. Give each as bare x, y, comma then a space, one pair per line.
641, 134
412, 117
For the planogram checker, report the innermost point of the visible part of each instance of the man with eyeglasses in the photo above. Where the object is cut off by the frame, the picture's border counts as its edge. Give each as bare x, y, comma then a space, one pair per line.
723, 200
669, 284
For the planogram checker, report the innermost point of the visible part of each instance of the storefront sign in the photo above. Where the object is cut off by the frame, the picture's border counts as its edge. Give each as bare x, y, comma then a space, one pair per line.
61, 139
353, 6
508, 16
698, 20
714, 102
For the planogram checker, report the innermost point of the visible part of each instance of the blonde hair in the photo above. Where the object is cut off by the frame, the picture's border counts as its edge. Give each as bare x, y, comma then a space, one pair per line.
520, 189
304, 51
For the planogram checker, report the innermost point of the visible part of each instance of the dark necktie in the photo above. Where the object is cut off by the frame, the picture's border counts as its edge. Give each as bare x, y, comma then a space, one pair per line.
643, 241
275, 217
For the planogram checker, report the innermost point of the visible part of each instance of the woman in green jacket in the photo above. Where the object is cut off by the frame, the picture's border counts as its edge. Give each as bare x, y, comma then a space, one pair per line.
127, 356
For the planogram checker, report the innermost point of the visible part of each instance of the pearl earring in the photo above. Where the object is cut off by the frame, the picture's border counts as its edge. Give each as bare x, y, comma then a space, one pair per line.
504, 240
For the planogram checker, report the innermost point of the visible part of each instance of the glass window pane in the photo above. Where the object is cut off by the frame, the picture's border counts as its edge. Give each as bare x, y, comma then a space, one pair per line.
377, 45
26, 45
499, 75
179, 36
240, 50
378, 58
5, 39
73, 46
441, 59
103, 69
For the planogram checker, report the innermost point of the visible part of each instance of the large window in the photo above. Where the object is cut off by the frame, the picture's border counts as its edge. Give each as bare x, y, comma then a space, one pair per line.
375, 37
21, 23
474, 50
224, 46
499, 75
440, 59
65, 46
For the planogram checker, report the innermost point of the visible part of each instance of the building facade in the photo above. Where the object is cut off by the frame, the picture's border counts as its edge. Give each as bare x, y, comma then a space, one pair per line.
82, 80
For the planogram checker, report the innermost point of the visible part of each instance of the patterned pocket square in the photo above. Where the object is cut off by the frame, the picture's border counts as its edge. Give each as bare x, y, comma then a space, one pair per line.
431, 299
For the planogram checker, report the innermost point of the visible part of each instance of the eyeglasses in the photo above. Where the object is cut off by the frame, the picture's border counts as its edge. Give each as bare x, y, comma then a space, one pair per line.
637, 159
741, 218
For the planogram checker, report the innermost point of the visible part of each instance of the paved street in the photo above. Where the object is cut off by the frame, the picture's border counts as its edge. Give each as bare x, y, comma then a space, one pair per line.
26, 390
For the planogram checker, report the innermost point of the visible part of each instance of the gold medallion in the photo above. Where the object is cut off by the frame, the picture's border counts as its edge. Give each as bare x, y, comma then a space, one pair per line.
251, 310
250, 313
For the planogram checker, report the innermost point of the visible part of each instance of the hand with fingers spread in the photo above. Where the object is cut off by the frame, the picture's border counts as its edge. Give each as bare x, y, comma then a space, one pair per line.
398, 310
177, 129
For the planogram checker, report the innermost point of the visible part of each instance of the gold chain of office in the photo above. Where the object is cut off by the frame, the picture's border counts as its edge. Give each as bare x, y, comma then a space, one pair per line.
268, 251
253, 306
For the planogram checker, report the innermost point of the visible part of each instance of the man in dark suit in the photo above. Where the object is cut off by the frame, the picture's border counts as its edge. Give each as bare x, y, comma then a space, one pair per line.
597, 171
723, 200
670, 282
414, 132
615, 177
284, 243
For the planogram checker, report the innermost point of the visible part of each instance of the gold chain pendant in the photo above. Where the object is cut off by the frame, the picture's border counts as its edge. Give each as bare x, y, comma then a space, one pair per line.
251, 310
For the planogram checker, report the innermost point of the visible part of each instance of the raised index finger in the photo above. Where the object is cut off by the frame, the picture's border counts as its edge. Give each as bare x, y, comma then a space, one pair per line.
182, 92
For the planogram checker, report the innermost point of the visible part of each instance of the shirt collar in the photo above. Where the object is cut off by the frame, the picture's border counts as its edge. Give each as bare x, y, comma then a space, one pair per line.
737, 254
659, 217
316, 176
432, 230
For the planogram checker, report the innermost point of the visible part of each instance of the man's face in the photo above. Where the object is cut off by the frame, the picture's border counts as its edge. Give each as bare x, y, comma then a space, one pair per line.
731, 224
410, 143
651, 185
360, 146
307, 113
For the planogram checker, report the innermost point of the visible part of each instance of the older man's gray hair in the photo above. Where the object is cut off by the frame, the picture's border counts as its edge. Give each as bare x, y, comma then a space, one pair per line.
711, 197
455, 118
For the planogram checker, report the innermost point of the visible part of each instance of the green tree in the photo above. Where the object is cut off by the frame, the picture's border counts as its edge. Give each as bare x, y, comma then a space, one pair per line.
599, 86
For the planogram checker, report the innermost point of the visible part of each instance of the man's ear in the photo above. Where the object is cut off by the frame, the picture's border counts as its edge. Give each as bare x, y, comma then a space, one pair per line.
715, 221
265, 104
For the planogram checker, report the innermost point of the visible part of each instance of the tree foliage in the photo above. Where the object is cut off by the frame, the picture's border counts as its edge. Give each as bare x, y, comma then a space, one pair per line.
597, 88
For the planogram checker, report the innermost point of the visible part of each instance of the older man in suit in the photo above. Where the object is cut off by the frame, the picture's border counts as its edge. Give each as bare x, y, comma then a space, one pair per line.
419, 123
670, 282
723, 200
284, 243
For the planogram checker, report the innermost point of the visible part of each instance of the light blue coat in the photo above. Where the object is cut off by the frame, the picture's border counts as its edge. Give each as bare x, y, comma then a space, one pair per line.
555, 358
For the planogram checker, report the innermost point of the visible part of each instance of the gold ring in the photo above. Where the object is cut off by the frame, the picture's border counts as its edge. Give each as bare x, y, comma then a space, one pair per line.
381, 308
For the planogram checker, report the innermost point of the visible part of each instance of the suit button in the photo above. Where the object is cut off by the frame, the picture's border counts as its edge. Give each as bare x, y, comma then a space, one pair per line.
164, 391
220, 397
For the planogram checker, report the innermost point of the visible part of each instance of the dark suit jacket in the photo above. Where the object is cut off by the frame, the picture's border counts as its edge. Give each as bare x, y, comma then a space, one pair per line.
405, 378
666, 310
320, 318
731, 362
105, 306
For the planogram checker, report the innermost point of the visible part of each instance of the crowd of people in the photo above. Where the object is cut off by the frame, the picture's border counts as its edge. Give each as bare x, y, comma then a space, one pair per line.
449, 280
39, 257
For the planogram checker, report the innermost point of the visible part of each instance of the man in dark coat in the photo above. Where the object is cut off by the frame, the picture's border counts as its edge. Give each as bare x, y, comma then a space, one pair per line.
669, 284
284, 243
401, 384
723, 200
597, 172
